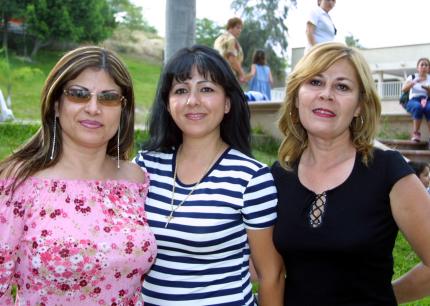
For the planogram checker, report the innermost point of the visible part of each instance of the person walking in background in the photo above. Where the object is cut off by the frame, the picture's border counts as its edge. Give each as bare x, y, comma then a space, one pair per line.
72, 218
260, 75
210, 204
422, 170
341, 201
319, 26
227, 44
419, 92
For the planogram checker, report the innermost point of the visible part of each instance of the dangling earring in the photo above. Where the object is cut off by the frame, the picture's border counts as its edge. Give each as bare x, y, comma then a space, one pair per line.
117, 146
54, 138
362, 121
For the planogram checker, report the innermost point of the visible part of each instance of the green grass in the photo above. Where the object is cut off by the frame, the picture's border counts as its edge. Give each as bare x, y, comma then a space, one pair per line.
26, 87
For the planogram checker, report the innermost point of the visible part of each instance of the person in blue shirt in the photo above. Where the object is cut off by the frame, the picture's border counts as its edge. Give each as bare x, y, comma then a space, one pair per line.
260, 75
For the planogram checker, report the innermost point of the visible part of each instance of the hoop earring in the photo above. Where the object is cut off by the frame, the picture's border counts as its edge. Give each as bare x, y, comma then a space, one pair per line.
54, 138
117, 145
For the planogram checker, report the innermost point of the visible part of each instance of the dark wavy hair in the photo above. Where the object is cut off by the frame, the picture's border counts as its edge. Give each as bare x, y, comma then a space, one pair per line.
165, 135
34, 155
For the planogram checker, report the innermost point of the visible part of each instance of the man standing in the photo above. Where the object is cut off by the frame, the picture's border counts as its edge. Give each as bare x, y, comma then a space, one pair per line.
228, 46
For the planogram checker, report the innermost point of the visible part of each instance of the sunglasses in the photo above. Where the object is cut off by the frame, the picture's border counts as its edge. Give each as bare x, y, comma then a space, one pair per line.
107, 98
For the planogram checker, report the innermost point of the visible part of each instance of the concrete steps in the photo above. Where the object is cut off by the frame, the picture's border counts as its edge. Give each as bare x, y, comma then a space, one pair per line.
416, 151
395, 124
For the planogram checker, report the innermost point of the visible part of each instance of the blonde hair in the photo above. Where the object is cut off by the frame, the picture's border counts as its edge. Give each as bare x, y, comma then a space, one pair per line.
363, 128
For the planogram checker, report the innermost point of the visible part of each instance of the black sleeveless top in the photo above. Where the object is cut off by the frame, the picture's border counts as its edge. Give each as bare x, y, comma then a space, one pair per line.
347, 258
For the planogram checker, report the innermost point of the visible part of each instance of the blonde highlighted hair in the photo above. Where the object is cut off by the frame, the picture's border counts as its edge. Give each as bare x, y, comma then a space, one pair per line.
363, 128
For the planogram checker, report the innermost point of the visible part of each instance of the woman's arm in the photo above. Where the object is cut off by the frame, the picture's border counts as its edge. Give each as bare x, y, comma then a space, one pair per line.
409, 84
310, 31
270, 78
410, 205
269, 266
12, 222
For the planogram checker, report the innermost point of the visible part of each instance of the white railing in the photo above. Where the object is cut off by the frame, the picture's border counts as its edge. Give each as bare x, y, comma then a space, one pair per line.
390, 90
386, 90
278, 93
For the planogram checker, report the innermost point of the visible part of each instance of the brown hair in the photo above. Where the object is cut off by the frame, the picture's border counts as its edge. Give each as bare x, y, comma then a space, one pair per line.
363, 128
259, 57
34, 155
423, 59
232, 22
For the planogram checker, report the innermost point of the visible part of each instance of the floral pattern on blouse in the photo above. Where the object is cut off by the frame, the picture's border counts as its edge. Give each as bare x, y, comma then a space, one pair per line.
74, 242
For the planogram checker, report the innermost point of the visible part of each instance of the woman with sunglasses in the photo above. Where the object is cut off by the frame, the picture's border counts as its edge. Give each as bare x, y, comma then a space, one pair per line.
210, 204
72, 220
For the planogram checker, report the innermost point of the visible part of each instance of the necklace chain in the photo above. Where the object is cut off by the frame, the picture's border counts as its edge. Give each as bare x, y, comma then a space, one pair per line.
173, 209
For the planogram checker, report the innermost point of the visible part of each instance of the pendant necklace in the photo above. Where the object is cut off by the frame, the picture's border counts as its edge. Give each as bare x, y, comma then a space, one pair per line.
173, 209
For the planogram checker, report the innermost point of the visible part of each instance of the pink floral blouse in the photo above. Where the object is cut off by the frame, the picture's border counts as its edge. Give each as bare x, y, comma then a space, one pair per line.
74, 242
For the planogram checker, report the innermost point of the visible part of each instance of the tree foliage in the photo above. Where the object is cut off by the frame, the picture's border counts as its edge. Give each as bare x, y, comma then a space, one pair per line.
72, 21
10, 9
207, 31
351, 41
130, 15
265, 28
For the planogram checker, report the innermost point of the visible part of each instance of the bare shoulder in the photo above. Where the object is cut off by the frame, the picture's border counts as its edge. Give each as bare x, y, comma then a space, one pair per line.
132, 172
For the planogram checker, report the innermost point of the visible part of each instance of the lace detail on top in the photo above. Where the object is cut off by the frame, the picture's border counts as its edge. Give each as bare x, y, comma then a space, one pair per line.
317, 209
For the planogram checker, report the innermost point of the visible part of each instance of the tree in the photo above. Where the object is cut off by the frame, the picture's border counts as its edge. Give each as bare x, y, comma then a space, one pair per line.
207, 31
73, 21
10, 9
180, 32
351, 41
265, 28
131, 16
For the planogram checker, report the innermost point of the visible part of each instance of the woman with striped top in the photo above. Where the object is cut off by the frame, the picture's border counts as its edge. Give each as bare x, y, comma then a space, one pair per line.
210, 204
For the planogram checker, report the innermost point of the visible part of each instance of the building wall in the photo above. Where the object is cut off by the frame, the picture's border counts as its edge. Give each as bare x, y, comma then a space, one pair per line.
397, 61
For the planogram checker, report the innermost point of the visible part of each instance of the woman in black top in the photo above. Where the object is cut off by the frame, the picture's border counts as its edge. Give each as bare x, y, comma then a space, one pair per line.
342, 201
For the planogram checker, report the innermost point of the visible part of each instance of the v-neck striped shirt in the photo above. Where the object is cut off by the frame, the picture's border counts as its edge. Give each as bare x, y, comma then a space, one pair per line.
203, 253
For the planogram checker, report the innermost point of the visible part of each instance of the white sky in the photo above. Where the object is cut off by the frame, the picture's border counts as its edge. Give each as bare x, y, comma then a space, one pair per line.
376, 23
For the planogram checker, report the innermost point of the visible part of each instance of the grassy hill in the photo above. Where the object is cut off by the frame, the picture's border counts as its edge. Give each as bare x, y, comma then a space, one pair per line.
27, 83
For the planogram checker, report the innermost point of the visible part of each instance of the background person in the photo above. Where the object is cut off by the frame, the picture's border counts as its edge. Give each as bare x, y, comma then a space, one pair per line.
227, 44
260, 75
342, 201
72, 219
210, 204
422, 170
319, 26
419, 92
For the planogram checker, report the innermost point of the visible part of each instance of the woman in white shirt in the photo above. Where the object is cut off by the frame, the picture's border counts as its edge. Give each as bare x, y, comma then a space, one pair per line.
419, 93
319, 26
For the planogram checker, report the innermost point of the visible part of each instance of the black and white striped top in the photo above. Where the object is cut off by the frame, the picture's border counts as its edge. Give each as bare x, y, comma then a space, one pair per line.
203, 253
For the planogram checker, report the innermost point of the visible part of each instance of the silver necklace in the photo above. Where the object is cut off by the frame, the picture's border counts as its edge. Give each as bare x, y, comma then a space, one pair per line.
172, 208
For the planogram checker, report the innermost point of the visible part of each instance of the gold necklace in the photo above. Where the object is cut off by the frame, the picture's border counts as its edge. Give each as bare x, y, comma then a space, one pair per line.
173, 209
